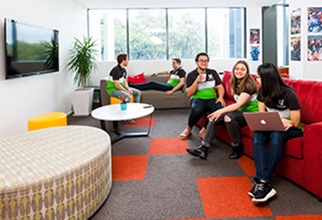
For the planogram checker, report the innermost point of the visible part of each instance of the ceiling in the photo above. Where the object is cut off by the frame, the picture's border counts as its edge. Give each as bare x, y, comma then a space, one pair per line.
172, 3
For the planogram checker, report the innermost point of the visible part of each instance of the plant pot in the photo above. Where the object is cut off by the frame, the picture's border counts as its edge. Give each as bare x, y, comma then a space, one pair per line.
82, 101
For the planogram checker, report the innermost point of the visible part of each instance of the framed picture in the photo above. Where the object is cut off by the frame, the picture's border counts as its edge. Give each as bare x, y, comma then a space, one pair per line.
314, 20
296, 21
254, 36
295, 48
314, 48
254, 52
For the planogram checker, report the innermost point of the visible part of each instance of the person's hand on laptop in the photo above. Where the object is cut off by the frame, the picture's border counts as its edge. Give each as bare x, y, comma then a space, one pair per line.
287, 123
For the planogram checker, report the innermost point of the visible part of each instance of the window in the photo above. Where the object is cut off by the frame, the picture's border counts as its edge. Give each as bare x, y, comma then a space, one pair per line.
225, 32
108, 28
147, 35
186, 32
154, 34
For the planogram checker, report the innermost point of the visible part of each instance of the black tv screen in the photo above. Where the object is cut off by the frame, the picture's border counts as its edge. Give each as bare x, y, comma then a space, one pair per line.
29, 50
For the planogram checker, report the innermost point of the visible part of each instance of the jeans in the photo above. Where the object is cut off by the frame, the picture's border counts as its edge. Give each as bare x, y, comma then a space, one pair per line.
152, 85
266, 161
199, 107
119, 94
237, 121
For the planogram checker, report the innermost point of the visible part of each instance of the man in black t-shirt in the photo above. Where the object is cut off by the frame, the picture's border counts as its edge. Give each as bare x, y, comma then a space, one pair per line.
202, 84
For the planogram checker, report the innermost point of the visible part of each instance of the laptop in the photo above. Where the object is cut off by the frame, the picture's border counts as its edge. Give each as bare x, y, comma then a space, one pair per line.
264, 121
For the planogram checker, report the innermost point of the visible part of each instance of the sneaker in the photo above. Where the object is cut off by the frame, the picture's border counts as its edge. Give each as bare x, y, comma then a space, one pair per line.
200, 151
252, 192
264, 192
131, 122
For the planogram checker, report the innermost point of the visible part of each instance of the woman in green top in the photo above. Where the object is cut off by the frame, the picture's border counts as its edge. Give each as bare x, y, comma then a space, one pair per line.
245, 90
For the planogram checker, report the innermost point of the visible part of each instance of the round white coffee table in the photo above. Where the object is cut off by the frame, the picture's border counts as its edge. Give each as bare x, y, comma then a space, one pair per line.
115, 114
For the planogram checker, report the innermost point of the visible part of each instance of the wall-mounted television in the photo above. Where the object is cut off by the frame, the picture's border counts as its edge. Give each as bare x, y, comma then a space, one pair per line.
29, 50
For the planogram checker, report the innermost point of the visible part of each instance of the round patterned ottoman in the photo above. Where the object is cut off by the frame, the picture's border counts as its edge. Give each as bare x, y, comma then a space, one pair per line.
54, 173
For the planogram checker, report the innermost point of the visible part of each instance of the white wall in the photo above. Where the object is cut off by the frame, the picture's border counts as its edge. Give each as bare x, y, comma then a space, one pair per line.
23, 98
305, 69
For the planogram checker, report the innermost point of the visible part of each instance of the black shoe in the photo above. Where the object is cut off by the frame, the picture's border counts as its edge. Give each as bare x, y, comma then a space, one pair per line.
264, 192
200, 151
237, 152
252, 192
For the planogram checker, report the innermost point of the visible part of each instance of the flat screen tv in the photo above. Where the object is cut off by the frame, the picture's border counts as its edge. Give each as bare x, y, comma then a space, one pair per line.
29, 50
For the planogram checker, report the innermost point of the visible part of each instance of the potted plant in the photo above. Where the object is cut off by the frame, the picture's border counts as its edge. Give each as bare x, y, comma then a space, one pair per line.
82, 62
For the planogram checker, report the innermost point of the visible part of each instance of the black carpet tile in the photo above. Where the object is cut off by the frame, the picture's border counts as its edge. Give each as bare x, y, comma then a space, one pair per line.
169, 190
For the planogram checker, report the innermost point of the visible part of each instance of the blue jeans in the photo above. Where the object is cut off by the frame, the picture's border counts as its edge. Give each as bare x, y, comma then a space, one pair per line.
199, 107
119, 94
152, 85
266, 161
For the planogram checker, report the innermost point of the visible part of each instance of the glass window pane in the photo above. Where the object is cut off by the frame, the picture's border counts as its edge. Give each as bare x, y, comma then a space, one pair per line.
147, 34
108, 27
225, 32
186, 32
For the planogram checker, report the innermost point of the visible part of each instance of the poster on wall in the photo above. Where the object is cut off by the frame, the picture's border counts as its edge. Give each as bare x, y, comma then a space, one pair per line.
314, 20
296, 21
314, 48
295, 48
254, 36
254, 52
254, 41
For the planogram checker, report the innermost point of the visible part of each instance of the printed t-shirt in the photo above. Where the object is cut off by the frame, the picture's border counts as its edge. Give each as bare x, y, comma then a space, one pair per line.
117, 73
206, 89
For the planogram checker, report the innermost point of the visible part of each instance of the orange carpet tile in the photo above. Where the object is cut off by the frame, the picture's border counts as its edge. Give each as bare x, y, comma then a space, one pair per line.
129, 167
185, 219
248, 165
299, 217
168, 146
219, 198
141, 122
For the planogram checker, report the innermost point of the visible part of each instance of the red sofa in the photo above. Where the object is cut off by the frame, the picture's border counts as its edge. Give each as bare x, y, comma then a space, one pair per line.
302, 159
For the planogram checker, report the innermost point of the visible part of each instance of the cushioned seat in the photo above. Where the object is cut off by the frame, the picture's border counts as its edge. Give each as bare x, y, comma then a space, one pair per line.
51, 119
114, 100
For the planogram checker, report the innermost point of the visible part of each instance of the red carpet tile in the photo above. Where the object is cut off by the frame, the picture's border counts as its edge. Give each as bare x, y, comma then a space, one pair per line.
226, 197
141, 122
185, 219
129, 167
168, 146
247, 165
299, 217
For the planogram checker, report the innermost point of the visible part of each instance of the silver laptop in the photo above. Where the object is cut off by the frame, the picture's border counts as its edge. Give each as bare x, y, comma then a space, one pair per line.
264, 121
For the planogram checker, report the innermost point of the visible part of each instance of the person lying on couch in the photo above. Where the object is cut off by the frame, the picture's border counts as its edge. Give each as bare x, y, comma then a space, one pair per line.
202, 84
175, 82
244, 89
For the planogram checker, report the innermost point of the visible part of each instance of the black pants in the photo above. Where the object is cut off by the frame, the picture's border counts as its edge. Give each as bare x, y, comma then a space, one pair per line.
152, 85
200, 107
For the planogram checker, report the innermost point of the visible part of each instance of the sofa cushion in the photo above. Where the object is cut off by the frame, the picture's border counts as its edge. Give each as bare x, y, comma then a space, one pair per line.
228, 97
294, 148
307, 93
139, 78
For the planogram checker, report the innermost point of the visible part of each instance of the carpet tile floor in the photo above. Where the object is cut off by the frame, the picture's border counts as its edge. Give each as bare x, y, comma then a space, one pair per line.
155, 179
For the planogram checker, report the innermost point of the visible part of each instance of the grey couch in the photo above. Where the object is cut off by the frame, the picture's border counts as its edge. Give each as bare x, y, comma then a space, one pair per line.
156, 98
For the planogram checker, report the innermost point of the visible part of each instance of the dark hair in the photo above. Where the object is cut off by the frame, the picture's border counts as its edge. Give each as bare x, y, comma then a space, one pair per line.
120, 57
272, 83
201, 54
247, 81
177, 60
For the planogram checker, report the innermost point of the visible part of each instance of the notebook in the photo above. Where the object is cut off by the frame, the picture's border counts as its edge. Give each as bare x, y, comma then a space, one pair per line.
264, 121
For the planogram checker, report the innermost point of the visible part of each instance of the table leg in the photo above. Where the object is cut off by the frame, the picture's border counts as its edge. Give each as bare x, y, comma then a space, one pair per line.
121, 134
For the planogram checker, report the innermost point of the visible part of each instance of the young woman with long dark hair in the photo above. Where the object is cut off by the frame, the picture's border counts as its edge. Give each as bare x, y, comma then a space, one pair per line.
274, 95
